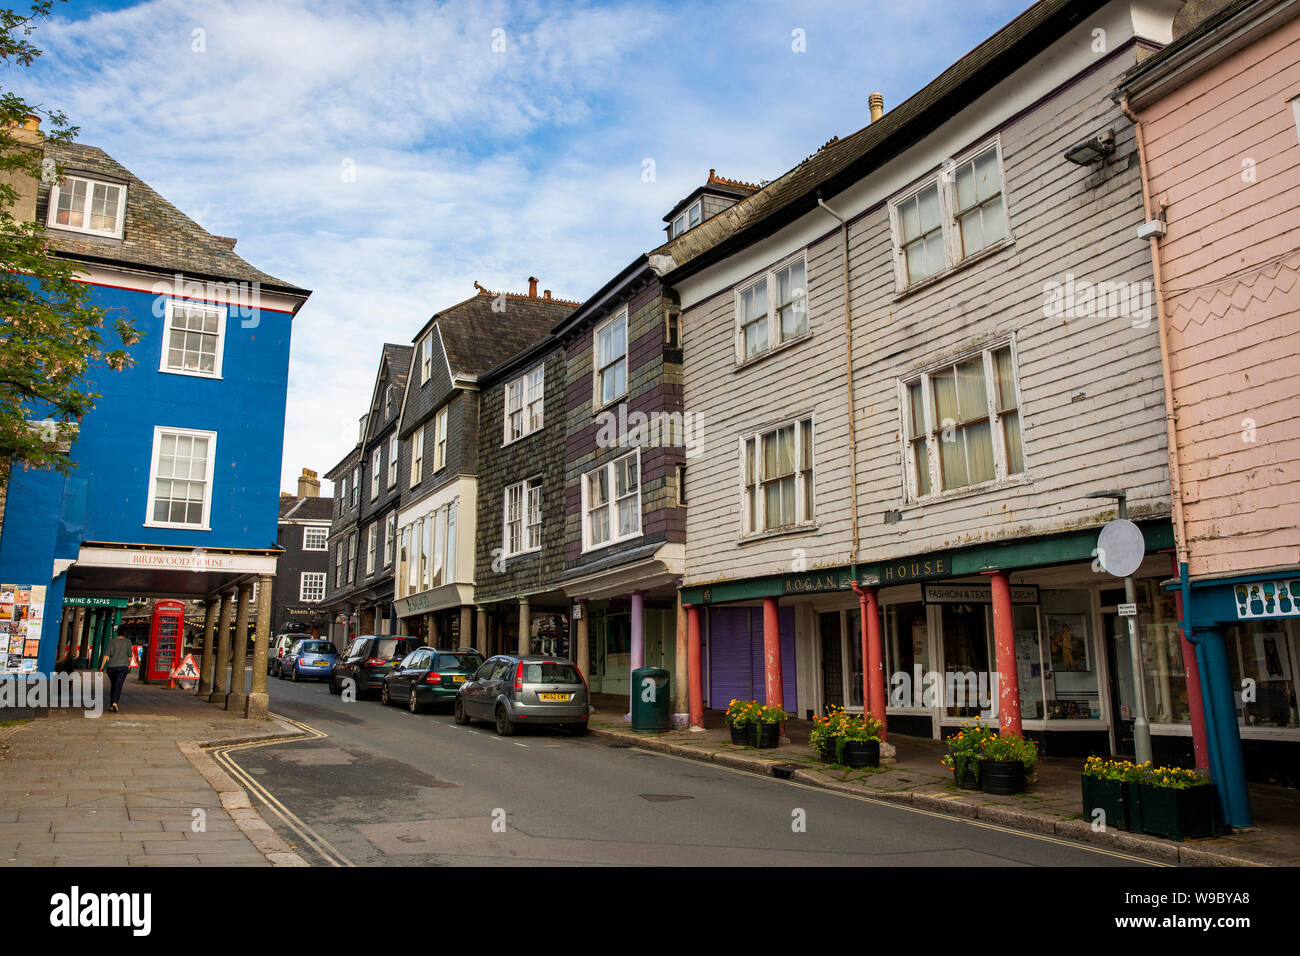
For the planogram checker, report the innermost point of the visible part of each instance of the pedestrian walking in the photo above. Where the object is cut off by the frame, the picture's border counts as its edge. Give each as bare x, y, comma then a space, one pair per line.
116, 662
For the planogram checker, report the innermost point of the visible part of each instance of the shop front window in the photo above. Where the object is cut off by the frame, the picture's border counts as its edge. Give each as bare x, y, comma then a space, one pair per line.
1262, 656
1029, 661
1163, 671
1070, 683
967, 652
853, 627
907, 653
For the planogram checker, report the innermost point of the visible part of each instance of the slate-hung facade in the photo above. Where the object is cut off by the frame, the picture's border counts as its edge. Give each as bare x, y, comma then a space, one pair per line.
300, 581
341, 596
519, 549
175, 479
439, 442
944, 525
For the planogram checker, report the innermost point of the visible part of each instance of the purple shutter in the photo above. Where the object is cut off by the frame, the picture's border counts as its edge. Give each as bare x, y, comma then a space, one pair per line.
730, 666
788, 681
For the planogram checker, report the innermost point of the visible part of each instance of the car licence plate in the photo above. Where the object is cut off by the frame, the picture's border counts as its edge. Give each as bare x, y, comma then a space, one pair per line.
554, 697
458, 680
321, 662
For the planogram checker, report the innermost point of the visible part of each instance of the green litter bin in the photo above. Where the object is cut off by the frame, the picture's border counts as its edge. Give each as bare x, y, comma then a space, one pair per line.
651, 698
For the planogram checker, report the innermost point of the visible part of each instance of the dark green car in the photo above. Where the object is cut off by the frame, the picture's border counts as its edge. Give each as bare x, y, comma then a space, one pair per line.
429, 676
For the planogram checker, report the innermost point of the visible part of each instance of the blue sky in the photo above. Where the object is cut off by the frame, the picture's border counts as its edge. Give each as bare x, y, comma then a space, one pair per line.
471, 164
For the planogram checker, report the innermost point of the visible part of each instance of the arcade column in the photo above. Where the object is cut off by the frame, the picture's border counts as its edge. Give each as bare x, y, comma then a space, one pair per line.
237, 699
259, 703
220, 673
210, 609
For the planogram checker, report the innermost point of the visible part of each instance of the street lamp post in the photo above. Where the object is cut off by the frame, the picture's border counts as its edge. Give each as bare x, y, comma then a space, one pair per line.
1141, 729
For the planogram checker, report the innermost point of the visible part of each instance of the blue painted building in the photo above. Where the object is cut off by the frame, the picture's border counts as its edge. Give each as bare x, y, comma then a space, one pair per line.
174, 491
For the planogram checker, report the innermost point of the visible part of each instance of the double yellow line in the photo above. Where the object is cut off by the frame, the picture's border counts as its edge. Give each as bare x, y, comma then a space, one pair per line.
305, 833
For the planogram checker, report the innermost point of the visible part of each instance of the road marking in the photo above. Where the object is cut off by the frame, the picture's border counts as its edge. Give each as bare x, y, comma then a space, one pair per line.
517, 744
929, 813
304, 832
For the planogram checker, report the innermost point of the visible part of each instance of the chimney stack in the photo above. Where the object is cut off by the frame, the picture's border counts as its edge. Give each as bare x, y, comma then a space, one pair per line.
546, 294
308, 484
876, 103
532, 287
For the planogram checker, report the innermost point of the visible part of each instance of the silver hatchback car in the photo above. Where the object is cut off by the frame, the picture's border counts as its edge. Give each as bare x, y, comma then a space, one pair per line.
510, 690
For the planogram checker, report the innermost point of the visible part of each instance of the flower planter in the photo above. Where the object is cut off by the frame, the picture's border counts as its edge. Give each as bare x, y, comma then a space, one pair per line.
764, 736
968, 780
739, 736
826, 751
1178, 814
1005, 777
1133, 799
862, 754
1109, 796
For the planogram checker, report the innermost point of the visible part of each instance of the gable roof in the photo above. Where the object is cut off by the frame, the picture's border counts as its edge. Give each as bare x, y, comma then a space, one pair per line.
306, 508
475, 338
842, 163
156, 236
397, 358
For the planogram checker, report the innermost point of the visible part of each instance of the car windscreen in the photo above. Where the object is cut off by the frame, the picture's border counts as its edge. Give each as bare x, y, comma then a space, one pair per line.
390, 648
551, 672
458, 662
316, 647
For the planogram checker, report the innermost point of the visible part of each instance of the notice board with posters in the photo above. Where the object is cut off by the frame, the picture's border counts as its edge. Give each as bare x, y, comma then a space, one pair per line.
22, 608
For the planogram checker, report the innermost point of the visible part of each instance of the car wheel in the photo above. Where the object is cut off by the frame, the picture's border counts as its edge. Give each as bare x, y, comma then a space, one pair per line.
458, 712
334, 688
412, 703
504, 727
383, 696
293, 674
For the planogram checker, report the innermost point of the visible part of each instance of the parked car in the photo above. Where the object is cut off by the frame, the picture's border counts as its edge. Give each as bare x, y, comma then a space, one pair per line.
429, 676
309, 657
510, 690
367, 660
281, 646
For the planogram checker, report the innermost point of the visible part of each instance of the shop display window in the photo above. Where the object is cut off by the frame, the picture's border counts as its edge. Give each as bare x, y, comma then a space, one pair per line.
1262, 656
1070, 679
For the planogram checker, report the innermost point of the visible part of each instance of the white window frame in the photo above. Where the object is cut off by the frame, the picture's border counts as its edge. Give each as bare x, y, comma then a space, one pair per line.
372, 543
612, 505
417, 456
356, 486
684, 217
309, 532
597, 402
169, 314
376, 472
308, 585
530, 516
390, 537
158, 432
530, 389
768, 280
426, 358
352, 558
339, 566
56, 191
946, 180
805, 473
393, 453
934, 429
440, 439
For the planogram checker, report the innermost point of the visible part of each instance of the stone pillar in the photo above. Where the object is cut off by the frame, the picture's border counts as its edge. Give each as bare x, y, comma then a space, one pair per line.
638, 643
873, 655
466, 625
681, 718
65, 630
237, 699
582, 653
1004, 648
773, 683
78, 633
525, 624
695, 668
208, 656
88, 644
220, 674
481, 635
259, 703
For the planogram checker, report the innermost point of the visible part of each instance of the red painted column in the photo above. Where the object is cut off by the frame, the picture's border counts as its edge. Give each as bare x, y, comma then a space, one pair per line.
694, 666
874, 658
1004, 646
1195, 706
772, 653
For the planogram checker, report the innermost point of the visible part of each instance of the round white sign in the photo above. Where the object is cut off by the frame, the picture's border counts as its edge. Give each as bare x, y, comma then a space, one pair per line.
1121, 547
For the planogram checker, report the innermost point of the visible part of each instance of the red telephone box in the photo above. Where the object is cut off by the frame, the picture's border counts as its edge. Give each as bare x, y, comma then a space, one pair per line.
165, 632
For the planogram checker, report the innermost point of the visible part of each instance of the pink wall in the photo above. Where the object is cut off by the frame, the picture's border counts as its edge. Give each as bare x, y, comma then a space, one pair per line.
1231, 277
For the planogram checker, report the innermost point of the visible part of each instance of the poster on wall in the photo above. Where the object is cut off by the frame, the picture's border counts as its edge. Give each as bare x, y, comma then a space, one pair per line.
550, 635
1069, 642
1270, 652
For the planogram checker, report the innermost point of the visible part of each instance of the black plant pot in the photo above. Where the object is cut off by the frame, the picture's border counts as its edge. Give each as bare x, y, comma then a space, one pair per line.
827, 750
738, 734
1004, 777
764, 736
859, 755
967, 780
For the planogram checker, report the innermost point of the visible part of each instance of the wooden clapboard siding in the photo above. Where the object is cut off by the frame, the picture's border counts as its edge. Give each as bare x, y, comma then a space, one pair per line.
1092, 406
1234, 328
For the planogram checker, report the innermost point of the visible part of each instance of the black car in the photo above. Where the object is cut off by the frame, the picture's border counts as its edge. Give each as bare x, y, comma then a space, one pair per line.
367, 660
429, 676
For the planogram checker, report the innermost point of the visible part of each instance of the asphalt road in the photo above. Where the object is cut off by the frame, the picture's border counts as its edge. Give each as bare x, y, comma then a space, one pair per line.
386, 787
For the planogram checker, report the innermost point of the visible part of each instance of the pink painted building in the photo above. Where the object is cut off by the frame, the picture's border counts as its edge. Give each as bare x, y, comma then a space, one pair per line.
1218, 113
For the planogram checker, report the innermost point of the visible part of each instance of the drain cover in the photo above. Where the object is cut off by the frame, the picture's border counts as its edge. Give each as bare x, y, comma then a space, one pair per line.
620, 746
663, 797
784, 771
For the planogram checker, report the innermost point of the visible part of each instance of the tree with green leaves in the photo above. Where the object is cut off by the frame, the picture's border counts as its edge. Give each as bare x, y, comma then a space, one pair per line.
51, 335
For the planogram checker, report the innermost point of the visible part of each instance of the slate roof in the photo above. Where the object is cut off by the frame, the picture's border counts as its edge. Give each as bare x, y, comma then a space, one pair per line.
156, 235
476, 339
841, 163
307, 509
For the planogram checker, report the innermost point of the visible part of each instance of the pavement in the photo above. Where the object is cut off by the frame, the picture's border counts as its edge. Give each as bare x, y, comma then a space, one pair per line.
1053, 805
135, 788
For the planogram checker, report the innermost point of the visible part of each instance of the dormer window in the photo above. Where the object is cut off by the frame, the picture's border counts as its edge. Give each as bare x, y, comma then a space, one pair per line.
688, 218
87, 205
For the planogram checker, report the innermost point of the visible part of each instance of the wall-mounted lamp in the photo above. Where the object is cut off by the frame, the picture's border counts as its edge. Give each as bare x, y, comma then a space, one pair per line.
1092, 150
